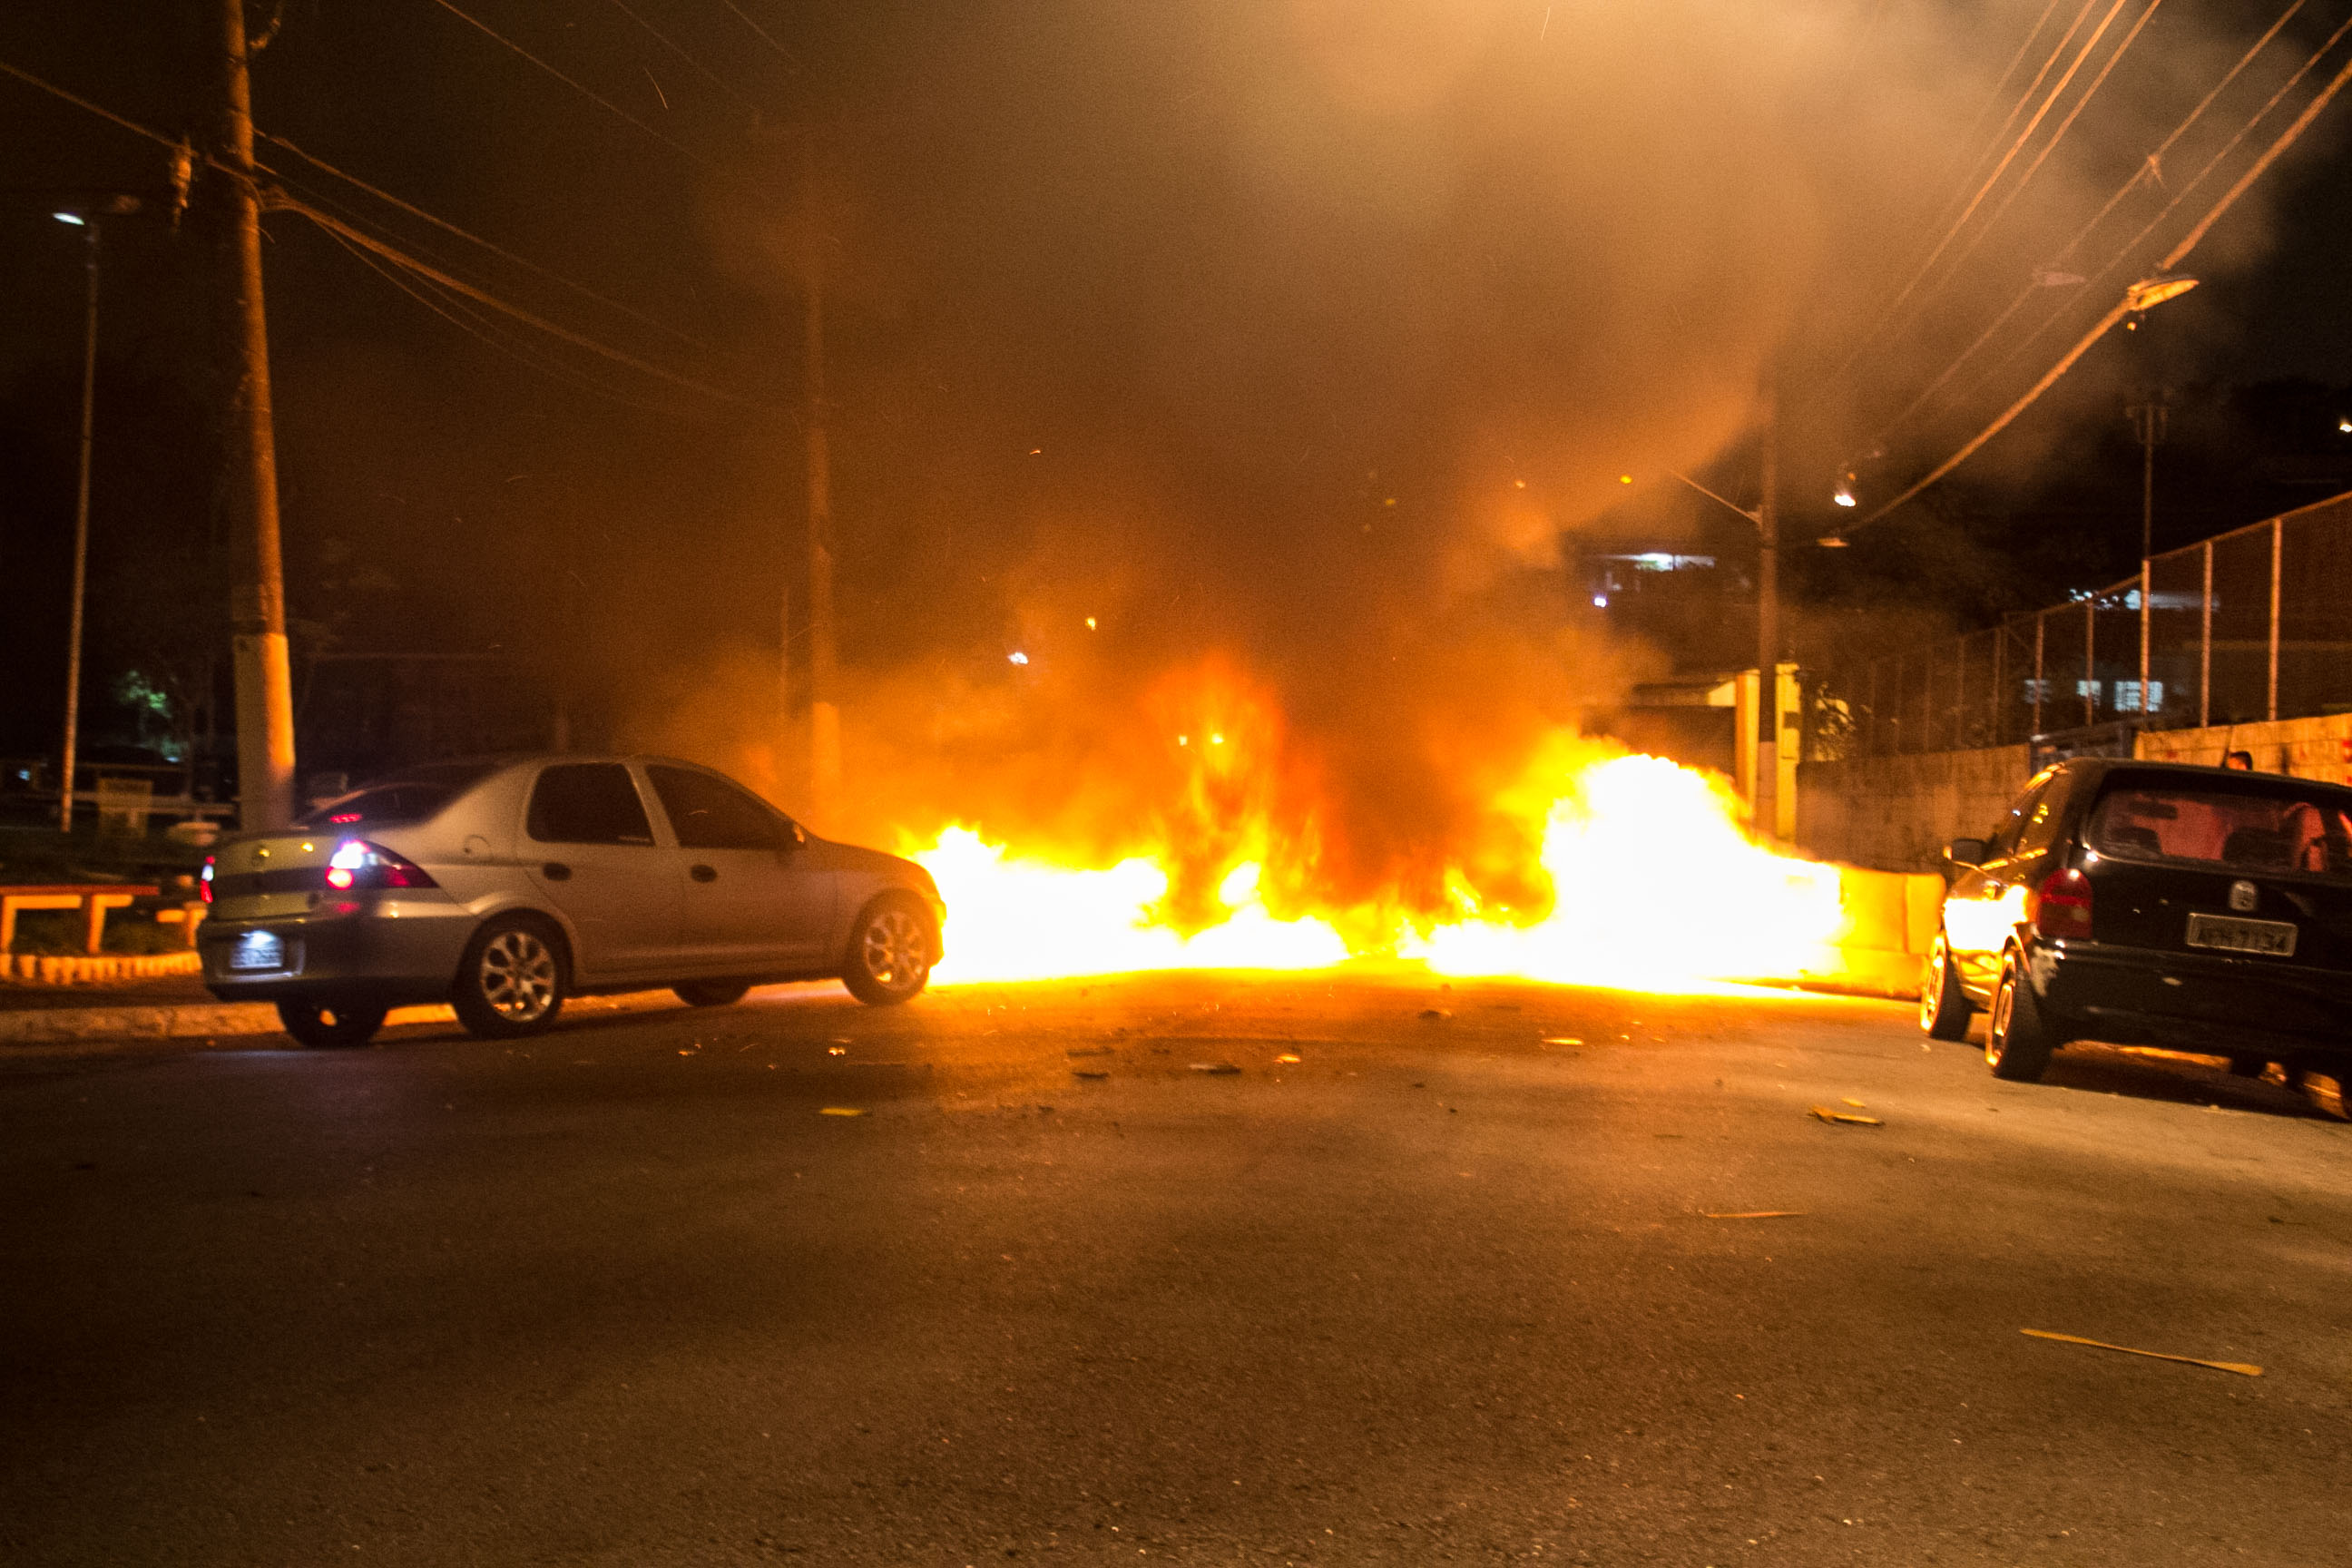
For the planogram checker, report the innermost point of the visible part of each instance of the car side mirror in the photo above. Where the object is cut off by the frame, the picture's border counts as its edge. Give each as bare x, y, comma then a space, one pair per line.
1965, 851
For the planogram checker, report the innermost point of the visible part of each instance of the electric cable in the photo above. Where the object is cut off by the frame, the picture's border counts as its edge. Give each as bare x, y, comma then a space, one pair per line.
705, 71
1951, 229
482, 296
606, 104
2173, 258
786, 54
475, 325
500, 251
2124, 252
2066, 253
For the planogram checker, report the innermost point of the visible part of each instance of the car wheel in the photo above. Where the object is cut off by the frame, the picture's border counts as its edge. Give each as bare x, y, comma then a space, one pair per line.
891, 949
2324, 1091
710, 993
1944, 1008
321, 1024
512, 980
2018, 1044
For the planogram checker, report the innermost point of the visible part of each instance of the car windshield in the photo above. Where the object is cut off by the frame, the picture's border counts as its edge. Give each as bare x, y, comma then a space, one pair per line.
412, 796
2234, 829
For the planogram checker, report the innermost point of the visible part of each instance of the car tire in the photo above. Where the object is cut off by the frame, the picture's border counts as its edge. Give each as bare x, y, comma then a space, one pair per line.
324, 1025
2018, 1043
513, 978
712, 993
1944, 1008
892, 945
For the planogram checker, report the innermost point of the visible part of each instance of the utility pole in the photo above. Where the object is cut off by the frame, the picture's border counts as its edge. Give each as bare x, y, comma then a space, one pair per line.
88, 223
825, 715
265, 687
1768, 629
2148, 417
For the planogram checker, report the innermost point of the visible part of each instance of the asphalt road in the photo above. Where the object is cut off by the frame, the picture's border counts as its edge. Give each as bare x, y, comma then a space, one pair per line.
1435, 1292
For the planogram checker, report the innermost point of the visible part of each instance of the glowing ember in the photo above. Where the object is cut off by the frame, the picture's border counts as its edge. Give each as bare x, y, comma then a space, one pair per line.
1655, 887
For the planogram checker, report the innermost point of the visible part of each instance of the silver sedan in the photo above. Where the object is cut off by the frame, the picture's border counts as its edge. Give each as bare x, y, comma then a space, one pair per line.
503, 887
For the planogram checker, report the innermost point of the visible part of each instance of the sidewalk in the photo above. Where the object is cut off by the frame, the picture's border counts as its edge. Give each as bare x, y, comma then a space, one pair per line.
178, 1007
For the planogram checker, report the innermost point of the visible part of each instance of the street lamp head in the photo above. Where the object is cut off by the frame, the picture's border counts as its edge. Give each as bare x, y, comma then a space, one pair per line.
74, 218
1844, 495
2156, 289
1831, 542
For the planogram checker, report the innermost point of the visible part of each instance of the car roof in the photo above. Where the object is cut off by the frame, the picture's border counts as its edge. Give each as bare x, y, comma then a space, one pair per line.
2097, 768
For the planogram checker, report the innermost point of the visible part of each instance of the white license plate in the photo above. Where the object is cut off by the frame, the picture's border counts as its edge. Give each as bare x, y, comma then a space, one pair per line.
2273, 938
259, 950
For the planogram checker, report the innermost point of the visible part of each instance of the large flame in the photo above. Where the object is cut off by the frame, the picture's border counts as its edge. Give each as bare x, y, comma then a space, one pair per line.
1654, 885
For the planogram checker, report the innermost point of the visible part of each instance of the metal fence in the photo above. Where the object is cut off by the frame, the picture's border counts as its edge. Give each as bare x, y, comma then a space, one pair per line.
2250, 625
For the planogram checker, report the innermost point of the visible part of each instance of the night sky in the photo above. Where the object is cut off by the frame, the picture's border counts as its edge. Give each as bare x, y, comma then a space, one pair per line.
1286, 338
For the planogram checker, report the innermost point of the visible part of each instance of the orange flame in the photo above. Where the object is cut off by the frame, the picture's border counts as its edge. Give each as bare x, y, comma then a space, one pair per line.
1653, 885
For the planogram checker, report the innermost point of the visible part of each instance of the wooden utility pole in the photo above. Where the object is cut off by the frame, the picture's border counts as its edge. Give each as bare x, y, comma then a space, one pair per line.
825, 715
1767, 630
265, 687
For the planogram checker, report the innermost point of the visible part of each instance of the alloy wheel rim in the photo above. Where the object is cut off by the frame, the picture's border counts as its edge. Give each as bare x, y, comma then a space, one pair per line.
894, 951
1996, 1031
518, 976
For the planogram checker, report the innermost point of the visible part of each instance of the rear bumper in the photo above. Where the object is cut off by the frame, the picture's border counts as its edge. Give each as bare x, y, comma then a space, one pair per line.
403, 953
2193, 1001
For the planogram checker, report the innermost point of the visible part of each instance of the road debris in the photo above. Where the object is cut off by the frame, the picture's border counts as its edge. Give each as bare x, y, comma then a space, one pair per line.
1851, 1101
1559, 1040
837, 1050
1847, 1117
841, 1111
1089, 1051
1081, 1072
1754, 1213
1288, 1059
1435, 1013
2243, 1369
1216, 1069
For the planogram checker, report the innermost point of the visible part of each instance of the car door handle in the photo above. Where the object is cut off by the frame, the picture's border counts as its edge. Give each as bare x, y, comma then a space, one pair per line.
702, 873
556, 871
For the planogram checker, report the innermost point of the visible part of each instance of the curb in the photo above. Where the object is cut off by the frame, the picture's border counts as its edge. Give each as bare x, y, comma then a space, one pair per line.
65, 1026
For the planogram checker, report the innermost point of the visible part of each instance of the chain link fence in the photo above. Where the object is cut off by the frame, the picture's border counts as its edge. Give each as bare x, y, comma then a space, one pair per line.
2250, 625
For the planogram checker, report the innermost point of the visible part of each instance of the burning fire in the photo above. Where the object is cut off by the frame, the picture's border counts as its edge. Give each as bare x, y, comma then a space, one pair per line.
1653, 886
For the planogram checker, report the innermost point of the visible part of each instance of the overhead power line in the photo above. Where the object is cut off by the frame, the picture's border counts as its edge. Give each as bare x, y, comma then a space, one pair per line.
2066, 253
422, 268
2124, 252
761, 34
1890, 312
82, 103
2173, 258
680, 148
444, 223
713, 78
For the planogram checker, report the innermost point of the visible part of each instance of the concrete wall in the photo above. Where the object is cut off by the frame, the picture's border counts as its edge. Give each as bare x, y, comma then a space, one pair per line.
1894, 814
2307, 748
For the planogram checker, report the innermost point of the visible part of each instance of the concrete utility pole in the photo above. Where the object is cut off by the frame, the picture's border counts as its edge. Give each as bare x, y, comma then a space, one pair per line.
88, 223
265, 687
825, 715
1768, 629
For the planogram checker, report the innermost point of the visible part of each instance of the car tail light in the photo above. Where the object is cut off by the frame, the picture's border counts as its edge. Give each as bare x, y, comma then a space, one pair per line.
204, 880
2061, 907
357, 864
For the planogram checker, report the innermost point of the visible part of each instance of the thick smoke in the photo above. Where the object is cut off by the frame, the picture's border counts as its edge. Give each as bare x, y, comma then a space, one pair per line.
1288, 341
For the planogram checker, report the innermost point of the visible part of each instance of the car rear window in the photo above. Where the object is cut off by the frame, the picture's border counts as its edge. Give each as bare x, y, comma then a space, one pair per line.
415, 796
2232, 829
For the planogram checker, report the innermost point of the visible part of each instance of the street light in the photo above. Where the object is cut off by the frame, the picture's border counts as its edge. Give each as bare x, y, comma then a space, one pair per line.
1844, 495
86, 222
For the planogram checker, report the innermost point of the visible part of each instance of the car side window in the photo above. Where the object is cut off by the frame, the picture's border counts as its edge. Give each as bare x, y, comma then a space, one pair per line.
709, 812
587, 803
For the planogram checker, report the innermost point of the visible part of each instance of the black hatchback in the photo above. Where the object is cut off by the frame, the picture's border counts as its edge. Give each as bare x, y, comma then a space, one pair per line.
2196, 908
